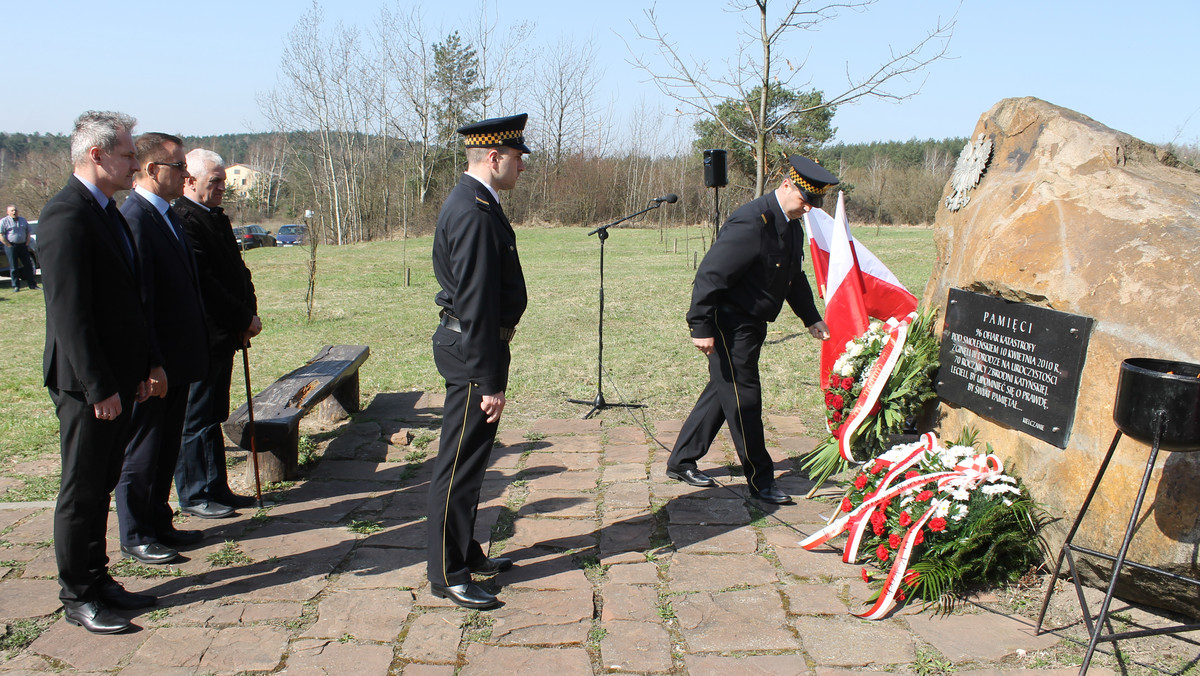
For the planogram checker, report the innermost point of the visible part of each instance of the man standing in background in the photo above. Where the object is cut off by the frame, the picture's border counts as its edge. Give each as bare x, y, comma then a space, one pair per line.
231, 312
14, 234
171, 294
97, 359
482, 299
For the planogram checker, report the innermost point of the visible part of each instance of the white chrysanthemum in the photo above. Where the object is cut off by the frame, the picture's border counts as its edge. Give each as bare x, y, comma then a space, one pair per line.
961, 513
961, 493
900, 451
940, 508
999, 488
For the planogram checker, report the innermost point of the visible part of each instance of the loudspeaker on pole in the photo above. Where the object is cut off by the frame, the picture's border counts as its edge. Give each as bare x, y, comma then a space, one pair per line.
714, 169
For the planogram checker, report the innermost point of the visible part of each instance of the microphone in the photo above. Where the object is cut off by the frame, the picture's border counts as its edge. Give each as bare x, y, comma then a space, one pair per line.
669, 199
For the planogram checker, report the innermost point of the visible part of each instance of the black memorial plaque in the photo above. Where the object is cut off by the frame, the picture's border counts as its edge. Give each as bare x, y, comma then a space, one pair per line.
1014, 363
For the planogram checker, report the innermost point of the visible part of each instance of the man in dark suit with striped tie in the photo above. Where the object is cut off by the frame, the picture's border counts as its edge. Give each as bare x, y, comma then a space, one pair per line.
171, 293
97, 359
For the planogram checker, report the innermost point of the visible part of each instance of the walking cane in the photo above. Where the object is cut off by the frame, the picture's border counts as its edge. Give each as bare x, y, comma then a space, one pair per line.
250, 410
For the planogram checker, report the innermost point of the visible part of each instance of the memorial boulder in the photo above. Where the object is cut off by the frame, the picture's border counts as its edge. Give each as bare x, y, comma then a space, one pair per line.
1051, 208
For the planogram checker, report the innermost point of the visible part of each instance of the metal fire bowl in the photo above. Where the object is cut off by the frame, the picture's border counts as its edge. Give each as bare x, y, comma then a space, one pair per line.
1148, 387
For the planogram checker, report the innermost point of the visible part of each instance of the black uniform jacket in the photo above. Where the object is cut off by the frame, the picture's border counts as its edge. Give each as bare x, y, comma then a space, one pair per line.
171, 292
97, 331
225, 286
755, 264
476, 264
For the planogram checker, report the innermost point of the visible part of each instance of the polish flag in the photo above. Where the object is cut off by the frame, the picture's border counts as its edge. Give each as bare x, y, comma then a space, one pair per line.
854, 283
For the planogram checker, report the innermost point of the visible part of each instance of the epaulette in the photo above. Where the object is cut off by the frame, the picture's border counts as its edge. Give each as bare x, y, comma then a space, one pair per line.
482, 203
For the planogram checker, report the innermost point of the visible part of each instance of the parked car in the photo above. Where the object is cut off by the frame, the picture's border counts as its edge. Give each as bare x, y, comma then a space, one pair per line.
32, 252
252, 236
290, 235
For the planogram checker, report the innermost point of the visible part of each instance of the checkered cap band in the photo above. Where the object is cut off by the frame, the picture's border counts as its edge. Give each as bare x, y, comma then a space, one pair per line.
495, 138
805, 185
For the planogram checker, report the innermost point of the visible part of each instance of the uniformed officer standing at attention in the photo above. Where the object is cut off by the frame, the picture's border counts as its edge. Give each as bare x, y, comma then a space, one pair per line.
482, 299
753, 266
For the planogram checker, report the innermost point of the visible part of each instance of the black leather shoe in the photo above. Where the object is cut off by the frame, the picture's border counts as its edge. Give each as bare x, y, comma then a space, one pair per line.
692, 477
772, 495
466, 595
239, 501
180, 538
208, 510
113, 594
493, 566
95, 617
152, 553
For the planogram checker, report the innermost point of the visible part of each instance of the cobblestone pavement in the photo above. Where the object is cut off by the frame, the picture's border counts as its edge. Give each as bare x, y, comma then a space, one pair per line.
618, 570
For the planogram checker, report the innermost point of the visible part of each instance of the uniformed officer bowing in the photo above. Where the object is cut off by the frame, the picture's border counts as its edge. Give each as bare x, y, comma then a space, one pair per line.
482, 299
753, 266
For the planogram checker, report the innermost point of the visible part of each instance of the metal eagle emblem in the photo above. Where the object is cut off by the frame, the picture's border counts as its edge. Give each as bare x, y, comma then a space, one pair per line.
972, 162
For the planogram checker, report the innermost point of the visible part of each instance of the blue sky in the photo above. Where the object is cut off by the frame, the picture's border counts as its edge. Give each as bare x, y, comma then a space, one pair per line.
172, 64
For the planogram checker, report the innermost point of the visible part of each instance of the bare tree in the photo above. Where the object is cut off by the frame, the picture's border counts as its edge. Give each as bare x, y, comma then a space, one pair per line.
564, 87
501, 56
692, 84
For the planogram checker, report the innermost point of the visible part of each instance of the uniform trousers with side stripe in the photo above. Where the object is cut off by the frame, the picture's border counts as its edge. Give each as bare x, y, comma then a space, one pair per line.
463, 453
733, 395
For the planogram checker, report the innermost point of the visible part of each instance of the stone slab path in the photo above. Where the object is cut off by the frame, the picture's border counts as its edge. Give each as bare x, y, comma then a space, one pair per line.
618, 570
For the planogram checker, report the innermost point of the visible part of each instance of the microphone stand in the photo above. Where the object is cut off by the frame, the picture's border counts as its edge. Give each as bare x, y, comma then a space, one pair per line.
598, 404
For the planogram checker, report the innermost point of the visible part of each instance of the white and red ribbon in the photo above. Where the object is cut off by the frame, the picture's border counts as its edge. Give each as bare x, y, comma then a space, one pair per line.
875, 377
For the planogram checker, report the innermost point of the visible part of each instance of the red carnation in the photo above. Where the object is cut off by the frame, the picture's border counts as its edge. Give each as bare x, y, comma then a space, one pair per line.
878, 518
911, 474
924, 495
894, 541
882, 552
878, 529
880, 465
861, 482
911, 577
937, 524
846, 506
905, 520
865, 575
920, 537
900, 595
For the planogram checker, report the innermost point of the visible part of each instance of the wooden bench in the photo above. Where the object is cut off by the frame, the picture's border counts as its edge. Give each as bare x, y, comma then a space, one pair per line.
329, 379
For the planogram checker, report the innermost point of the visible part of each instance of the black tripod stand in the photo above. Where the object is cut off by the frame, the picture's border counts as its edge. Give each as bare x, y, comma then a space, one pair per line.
598, 404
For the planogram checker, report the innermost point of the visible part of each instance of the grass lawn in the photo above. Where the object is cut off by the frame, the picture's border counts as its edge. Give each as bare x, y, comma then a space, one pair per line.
361, 299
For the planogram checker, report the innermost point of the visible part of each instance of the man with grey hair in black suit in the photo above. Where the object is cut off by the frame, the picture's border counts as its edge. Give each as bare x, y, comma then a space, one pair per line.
97, 359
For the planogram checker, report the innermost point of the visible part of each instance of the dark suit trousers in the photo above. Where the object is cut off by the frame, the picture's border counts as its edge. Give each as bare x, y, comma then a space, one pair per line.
145, 485
200, 474
92, 451
464, 449
734, 396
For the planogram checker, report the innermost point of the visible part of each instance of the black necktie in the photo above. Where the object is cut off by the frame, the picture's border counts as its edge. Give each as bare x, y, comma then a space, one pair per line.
173, 223
116, 225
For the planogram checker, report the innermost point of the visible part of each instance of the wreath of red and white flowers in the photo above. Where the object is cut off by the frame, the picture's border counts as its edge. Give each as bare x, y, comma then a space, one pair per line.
858, 377
907, 498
